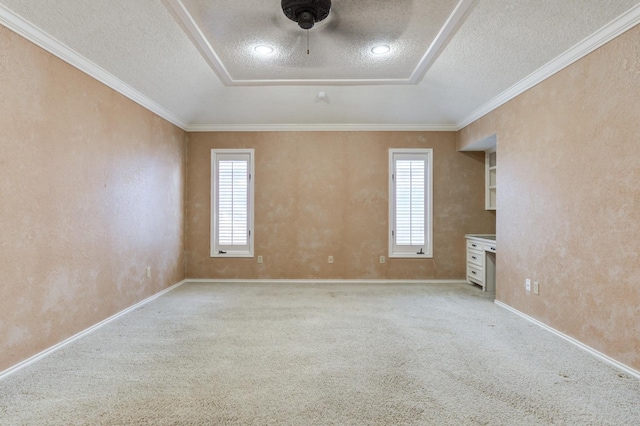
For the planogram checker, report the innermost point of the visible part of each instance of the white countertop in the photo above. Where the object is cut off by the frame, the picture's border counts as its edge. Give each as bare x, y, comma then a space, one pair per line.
486, 237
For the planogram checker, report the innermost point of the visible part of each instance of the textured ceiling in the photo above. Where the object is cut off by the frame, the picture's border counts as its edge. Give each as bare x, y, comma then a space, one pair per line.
339, 46
192, 61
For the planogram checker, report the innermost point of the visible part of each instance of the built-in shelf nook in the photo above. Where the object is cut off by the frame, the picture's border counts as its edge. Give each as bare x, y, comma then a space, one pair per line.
491, 165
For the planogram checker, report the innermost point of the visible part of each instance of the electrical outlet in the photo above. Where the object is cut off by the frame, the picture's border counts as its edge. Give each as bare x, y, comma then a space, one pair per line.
148, 271
527, 284
259, 259
382, 259
330, 259
536, 287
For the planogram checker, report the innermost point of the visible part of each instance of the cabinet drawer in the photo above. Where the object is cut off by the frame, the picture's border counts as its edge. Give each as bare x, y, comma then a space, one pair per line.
474, 245
490, 248
475, 258
475, 274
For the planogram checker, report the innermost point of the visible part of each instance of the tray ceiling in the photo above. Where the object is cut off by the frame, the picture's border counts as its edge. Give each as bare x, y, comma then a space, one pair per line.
337, 50
194, 61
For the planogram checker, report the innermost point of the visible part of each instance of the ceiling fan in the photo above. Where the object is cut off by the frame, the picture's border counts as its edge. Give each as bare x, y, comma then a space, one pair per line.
306, 12
352, 18
350, 21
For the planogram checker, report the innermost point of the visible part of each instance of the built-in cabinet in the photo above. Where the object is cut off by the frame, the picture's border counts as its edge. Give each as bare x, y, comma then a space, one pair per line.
481, 248
491, 166
481, 261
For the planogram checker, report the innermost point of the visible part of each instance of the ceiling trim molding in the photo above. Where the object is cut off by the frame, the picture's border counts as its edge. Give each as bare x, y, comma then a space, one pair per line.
441, 40
183, 17
607, 33
25, 29
321, 128
323, 82
186, 21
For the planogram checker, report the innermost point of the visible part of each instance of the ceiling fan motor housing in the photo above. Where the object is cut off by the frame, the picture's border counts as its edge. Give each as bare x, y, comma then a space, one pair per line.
306, 12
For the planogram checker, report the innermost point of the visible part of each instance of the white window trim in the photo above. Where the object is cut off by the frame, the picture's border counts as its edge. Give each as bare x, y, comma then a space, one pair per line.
428, 247
213, 242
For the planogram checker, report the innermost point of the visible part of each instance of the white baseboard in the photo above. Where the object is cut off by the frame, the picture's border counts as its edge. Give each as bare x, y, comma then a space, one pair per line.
602, 357
319, 281
83, 333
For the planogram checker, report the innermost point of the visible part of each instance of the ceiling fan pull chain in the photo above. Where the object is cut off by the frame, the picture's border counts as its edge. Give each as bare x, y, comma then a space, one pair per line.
307, 42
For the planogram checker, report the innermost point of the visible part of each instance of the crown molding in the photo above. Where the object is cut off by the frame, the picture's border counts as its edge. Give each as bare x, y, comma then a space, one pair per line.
184, 18
620, 25
441, 40
321, 128
186, 21
321, 82
25, 29
607, 33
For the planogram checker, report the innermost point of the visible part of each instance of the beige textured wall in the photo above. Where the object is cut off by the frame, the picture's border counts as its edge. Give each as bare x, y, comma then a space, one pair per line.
325, 193
569, 199
92, 193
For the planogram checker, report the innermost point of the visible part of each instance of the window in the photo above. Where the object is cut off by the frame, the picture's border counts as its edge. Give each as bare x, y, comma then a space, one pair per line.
410, 203
231, 203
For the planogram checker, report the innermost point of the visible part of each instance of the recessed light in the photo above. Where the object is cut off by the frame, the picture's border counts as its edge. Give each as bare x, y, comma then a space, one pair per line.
264, 50
381, 49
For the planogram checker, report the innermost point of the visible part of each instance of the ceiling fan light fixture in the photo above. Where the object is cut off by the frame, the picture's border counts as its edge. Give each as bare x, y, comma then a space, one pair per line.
381, 49
306, 12
264, 49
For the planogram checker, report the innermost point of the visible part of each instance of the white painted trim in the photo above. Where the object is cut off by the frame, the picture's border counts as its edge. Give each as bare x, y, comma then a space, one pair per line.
83, 333
318, 281
232, 251
602, 357
414, 154
325, 82
607, 33
183, 17
441, 40
321, 128
23, 28
20, 26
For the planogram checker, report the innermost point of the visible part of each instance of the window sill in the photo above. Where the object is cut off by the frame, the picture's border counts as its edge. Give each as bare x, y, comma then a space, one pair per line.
410, 256
232, 255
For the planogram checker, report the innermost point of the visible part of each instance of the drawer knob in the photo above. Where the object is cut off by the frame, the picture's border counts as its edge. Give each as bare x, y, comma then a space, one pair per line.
473, 272
473, 257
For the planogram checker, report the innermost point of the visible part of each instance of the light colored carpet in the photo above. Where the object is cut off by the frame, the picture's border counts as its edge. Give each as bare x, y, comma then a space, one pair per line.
303, 354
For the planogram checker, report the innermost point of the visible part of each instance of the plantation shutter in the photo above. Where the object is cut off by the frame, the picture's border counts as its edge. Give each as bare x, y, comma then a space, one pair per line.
410, 208
410, 203
231, 203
